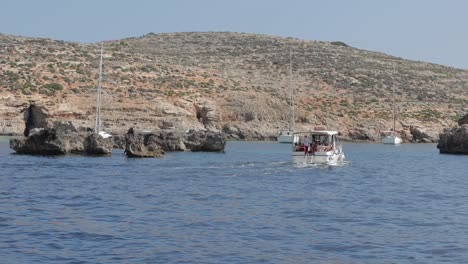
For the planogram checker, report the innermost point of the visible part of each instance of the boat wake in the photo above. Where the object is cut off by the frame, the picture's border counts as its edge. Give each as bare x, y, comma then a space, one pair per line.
321, 165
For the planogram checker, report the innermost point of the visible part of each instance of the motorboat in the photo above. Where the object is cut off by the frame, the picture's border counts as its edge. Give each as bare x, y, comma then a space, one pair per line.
319, 146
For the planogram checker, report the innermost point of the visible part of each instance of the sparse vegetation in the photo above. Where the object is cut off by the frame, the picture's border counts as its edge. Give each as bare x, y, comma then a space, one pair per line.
339, 43
50, 88
345, 85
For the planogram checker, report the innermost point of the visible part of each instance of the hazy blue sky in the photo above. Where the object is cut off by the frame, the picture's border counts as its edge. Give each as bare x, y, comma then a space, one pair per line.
428, 30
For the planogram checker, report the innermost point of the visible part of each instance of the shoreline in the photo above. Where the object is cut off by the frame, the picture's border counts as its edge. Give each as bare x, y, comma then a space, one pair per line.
12, 135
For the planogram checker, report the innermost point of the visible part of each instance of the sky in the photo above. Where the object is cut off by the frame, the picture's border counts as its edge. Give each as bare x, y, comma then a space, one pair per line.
424, 30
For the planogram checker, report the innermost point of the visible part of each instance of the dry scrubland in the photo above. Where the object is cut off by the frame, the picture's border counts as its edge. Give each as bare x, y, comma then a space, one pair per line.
234, 82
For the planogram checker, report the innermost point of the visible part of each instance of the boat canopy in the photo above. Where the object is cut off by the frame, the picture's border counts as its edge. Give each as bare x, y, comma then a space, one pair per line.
318, 132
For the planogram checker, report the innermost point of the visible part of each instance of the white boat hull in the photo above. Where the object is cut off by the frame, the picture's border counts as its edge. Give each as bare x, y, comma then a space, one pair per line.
394, 140
329, 158
288, 139
104, 134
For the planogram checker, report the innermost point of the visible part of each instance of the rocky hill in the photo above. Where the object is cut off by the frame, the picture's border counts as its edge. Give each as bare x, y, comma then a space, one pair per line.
234, 82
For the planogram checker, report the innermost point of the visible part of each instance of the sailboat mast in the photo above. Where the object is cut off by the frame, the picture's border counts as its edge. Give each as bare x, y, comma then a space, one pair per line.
98, 104
291, 95
393, 96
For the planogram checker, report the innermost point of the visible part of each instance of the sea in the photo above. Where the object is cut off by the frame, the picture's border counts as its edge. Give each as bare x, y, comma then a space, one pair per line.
386, 204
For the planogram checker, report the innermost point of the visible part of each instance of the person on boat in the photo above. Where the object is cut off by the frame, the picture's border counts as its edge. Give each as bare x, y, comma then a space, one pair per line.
298, 146
306, 144
316, 145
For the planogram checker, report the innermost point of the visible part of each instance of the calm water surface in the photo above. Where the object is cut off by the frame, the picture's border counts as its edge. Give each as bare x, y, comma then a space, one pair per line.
389, 204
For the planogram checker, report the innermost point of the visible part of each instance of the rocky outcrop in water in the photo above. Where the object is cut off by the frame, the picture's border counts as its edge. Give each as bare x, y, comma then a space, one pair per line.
60, 138
95, 144
40, 141
155, 144
455, 140
205, 141
168, 140
142, 145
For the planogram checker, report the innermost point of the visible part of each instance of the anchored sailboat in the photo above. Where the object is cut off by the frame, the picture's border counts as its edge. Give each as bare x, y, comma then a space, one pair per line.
289, 136
98, 103
392, 137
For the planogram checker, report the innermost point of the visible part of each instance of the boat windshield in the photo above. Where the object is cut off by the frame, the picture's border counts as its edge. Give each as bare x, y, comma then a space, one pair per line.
314, 138
322, 139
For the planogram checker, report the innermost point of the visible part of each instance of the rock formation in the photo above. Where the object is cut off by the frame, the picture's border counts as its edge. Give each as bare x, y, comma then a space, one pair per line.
95, 144
119, 141
206, 114
422, 135
359, 134
155, 144
463, 120
56, 139
455, 140
40, 141
35, 116
61, 139
168, 140
205, 141
141, 145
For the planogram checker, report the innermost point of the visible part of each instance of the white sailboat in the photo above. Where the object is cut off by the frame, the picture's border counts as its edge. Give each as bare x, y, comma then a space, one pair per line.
98, 103
289, 136
392, 137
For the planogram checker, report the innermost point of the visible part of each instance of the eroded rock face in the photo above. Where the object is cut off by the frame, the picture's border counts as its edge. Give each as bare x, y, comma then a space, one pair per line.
168, 140
463, 120
205, 141
119, 141
232, 132
422, 135
154, 144
49, 142
454, 141
35, 116
141, 145
206, 114
358, 134
61, 139
41, 141
95, 144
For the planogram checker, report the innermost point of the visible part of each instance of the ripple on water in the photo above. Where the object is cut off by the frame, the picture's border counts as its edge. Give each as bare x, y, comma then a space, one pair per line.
249, 205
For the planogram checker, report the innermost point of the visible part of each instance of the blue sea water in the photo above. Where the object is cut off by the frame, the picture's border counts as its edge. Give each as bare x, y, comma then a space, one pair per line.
388, 204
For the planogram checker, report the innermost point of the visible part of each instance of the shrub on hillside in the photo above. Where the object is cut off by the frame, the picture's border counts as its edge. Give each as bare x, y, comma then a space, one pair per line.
53, 86
339, 43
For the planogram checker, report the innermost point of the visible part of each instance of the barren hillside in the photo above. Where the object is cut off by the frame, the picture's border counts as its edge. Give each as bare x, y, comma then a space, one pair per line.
235, 82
